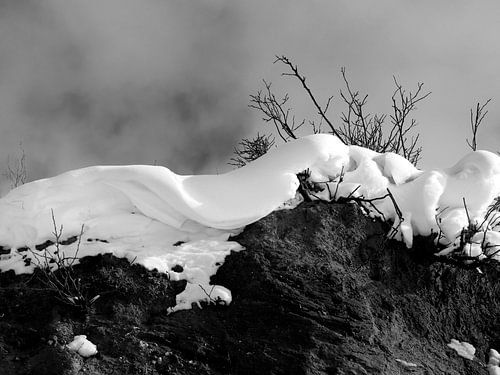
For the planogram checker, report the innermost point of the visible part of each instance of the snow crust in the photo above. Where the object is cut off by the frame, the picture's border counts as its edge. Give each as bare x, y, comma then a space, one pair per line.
406, 364
468, 351
162, 219
463, 349
493, 363
82, 346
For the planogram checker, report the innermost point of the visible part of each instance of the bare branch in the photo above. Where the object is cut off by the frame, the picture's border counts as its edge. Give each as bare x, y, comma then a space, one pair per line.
367, 130
56, 269
475, 121
251, 149
321, 111
16, 172
403, 104
358, 126
274, 111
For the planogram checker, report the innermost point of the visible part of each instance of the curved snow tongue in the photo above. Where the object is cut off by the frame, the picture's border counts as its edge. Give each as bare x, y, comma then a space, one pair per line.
181, 224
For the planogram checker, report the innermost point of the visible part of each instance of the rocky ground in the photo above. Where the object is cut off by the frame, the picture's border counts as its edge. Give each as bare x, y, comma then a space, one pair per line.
319, 290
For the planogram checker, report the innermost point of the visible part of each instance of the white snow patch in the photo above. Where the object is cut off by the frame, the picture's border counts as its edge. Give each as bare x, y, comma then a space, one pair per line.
463, 349
406, 364
145, 212
494, 363
82, 346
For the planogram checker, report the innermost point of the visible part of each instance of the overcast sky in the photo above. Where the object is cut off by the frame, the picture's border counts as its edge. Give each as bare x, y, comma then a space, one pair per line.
162, 81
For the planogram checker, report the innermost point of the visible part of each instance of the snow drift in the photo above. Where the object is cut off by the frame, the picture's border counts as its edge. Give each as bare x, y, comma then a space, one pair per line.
163, 220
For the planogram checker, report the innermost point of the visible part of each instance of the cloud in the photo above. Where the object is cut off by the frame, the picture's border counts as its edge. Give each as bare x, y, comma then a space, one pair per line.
129, 82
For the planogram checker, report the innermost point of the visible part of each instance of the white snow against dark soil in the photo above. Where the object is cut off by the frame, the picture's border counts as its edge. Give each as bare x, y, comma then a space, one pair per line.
163, 220
468, 351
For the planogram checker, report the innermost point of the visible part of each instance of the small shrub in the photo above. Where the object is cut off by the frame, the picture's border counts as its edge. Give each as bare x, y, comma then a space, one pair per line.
250, 149
16, 172
357, 126
55, 271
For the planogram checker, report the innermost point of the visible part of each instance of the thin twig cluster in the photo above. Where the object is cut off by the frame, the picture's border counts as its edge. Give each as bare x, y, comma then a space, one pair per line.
16, 172
250, 149
310, 189
476, 118
491, 221
322, 111
357, 126
55, 270
275, 111
369, 130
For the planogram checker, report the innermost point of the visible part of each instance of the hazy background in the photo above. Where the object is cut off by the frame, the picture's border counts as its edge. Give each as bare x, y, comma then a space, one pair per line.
164, 81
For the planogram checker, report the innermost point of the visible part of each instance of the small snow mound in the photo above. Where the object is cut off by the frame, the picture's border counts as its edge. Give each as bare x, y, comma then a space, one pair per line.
406, 364
494, 363
82, 346
463, 349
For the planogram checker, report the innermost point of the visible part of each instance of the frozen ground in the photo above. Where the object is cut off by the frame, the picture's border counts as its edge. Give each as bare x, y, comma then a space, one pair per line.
167, 221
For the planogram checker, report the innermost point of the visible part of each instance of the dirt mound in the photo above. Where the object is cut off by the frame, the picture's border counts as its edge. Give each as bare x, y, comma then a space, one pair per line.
319, 290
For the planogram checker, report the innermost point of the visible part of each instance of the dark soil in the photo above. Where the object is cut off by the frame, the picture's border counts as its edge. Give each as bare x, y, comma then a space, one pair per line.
319, 290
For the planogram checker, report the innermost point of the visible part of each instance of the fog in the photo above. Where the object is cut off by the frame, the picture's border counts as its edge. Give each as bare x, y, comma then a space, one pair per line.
119, 83
167, 82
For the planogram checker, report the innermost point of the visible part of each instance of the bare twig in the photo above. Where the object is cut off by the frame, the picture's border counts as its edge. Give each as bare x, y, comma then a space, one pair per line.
215, 301
250, 149
468, 238
16, 172
476, 117
358, 127
367, 130
274, 111
57, 273
321, 111
403, 104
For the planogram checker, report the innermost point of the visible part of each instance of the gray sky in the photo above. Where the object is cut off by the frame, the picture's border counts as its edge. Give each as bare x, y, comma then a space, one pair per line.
143, 81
